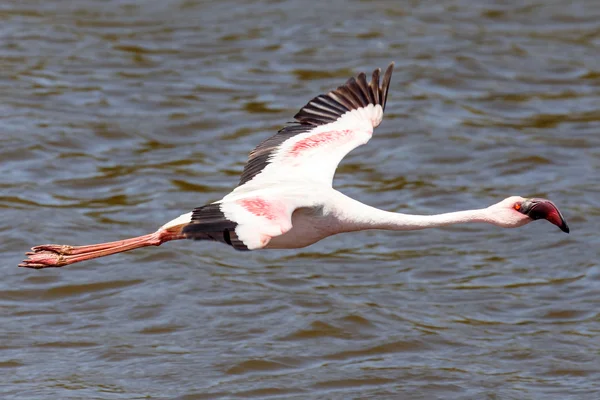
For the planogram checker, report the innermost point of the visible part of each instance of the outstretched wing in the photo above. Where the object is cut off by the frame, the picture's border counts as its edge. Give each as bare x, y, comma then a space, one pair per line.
329, 127
309, 150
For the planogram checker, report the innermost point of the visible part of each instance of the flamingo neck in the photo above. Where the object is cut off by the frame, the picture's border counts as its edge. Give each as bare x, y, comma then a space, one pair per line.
406, 222
360, 216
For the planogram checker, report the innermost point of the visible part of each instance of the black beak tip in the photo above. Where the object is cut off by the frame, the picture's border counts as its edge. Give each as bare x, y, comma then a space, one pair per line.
538, 208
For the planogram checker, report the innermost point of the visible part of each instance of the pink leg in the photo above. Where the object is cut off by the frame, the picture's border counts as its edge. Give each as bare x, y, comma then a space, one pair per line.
54, 255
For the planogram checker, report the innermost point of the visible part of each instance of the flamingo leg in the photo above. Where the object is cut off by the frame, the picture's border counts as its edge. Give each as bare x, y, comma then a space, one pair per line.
54, 255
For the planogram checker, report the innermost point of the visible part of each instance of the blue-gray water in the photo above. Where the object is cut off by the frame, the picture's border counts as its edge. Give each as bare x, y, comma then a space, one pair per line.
117, 116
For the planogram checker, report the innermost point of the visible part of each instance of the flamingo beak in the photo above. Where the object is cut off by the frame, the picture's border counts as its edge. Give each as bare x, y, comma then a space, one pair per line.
537, 208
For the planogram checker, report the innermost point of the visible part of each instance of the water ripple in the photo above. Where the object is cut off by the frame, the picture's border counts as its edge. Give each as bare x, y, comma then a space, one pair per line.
119, 116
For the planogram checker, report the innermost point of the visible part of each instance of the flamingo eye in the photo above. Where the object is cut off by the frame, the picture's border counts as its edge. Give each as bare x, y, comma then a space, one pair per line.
517, 206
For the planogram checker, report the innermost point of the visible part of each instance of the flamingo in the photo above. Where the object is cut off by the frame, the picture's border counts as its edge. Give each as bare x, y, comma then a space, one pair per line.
285, 198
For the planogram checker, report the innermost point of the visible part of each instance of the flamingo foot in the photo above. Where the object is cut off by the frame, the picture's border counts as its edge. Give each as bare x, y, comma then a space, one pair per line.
54, 248
41, 257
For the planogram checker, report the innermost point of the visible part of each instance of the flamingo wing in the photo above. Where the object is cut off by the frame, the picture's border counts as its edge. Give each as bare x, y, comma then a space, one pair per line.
244, 222
326, 129
305, 153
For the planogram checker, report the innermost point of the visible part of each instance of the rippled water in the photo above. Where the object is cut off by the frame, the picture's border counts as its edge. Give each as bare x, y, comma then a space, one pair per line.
117, 116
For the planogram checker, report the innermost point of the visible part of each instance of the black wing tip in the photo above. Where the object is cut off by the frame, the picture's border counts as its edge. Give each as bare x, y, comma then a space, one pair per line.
209, 223
385, 84
324, 109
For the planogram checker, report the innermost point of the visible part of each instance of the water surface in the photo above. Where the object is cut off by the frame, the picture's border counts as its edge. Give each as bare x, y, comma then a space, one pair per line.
117, 116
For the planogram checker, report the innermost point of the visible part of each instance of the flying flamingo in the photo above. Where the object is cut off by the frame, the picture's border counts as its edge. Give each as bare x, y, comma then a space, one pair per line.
285, 198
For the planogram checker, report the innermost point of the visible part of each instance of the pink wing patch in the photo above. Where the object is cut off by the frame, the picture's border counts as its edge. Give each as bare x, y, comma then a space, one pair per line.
263, 208
317, 140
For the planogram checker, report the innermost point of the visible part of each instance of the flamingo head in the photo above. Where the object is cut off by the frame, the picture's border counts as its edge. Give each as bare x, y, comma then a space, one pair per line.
517, 211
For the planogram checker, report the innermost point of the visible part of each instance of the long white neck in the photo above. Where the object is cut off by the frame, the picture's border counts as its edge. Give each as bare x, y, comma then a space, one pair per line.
354, 216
